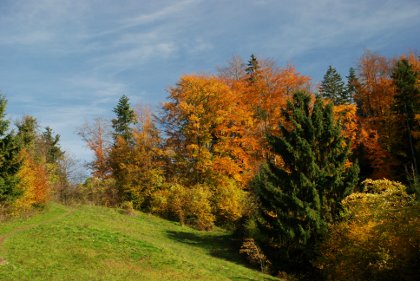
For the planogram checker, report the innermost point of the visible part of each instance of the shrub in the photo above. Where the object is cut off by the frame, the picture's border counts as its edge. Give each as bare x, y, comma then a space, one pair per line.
380, 238
188, 205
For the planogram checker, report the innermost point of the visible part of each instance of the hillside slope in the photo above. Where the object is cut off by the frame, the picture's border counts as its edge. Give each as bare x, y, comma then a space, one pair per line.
96, 243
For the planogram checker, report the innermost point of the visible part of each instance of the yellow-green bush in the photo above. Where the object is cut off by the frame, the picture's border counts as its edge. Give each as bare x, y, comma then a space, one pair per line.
188, 205
378, 240
229, 202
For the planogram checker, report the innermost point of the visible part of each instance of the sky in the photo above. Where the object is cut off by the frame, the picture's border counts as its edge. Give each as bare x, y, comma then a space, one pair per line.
66, 62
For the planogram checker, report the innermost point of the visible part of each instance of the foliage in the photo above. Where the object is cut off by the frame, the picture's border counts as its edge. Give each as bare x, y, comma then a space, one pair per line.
406, 107
9, 160
188, 205
96, 137
135, 166
125, 119
254, 255
332, 87
33, 184
378, 240
298, 199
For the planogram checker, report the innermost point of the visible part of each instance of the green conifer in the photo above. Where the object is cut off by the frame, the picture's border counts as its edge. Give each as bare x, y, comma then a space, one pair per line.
300, 196
124, 121
9, 159
332, 87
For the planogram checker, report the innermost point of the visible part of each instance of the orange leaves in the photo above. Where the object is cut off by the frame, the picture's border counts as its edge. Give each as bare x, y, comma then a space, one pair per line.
209, 127
33, 183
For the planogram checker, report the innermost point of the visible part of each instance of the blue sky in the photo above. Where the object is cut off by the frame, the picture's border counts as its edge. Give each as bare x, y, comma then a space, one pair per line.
68, 61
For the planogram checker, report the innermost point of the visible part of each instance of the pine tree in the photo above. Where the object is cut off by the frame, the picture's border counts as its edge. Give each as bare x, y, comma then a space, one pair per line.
9, 159
299, 197
126, 118
121, 156
332, 87
406, 106
351, 87
53, 152
252, 69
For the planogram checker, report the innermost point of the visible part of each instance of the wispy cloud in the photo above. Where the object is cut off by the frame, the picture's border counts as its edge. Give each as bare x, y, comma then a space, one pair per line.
65, 61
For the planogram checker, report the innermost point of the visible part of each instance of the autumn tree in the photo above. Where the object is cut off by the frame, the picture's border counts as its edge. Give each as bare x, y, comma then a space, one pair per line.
298, 198
97, 138
378, 239
211, 141
120, 154
145, 168
235, 70
267, 93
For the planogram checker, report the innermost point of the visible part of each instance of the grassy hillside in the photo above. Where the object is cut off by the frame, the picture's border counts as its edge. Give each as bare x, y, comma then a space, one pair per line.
95, 243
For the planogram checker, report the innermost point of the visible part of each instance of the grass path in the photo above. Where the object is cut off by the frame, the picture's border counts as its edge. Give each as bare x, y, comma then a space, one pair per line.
95, 243
25, 227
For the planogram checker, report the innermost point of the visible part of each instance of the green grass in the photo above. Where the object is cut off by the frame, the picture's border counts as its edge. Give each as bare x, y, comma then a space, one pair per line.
96, 243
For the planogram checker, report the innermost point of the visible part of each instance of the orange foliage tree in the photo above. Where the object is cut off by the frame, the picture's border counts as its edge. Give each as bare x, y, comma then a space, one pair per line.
210, 140
33, 183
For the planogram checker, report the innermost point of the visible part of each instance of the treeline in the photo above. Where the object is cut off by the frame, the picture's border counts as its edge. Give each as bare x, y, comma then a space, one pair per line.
32, 165
289, 165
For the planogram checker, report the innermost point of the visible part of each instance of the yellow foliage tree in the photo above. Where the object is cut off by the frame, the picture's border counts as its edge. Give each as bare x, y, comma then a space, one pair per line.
33, 183
378, 240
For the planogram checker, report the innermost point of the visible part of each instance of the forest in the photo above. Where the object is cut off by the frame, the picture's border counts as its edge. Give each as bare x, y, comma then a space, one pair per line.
316, 181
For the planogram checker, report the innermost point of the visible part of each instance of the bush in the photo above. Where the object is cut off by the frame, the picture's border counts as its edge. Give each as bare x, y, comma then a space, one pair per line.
188, 205
379, 240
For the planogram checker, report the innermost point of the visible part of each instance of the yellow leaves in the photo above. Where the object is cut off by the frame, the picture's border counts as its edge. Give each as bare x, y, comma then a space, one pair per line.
33, 183
379, 236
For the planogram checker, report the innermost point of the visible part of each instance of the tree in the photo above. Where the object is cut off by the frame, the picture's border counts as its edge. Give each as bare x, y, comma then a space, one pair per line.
298, 198
51, 146
97, 138
235, 70
377, 240
27, 131
351, 87
9, 159
406, 106
332, 87
252, 69
124, 121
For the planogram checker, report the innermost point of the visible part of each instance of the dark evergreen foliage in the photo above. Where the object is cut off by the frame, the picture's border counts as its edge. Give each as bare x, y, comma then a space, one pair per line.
51, 145
300, 196
252, 69
406, 106
124, 121
9, 159
351, 87
332, 87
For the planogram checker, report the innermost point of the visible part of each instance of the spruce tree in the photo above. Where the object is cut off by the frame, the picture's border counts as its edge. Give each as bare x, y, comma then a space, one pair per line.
9, 159
406, 107
50, 143
252, 69
121, 155
301, 194
351, 87
332, 87
124, 121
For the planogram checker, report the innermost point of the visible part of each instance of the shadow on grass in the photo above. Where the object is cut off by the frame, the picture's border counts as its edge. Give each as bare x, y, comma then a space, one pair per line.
222, 246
